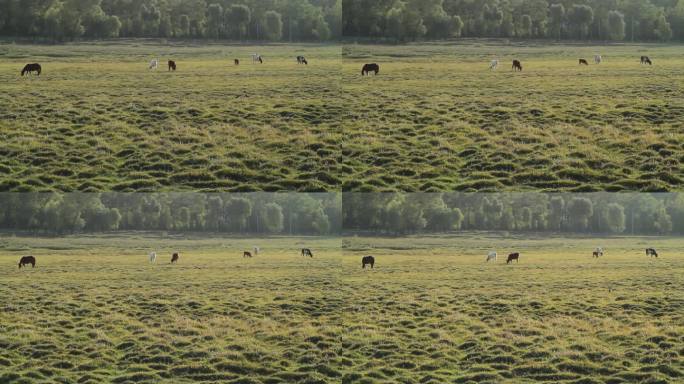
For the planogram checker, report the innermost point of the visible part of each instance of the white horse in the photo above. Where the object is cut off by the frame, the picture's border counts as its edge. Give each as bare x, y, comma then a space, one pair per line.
494, 64
598, 59
153, 257
491, 256
256, 58
154, 64
256, 251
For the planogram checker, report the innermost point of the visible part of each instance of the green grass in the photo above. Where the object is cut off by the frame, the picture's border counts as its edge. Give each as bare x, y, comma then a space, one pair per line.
437, 119
432, 311
98, 120
94, 311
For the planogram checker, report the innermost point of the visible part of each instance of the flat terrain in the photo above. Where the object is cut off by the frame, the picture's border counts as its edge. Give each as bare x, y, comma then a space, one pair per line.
94, 310
98, 120
434, 312
437, 119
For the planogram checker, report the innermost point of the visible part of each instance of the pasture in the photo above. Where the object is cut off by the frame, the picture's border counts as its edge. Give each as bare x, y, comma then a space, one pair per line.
433, 311
436, 118
97, 119
94, 310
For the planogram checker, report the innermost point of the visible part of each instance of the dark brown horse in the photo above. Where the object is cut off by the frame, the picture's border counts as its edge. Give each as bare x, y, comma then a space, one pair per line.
237, 61
26, 260
307, 252
646, 60
583, 62
29, 68
513, 256
247, 254
174, 258
651, 252
368, 68
368, 260
517, 65
172, 65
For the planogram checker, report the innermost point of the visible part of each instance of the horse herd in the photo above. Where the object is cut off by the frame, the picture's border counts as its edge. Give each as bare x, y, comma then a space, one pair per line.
365, 261
365, 71
154, 64
494, 64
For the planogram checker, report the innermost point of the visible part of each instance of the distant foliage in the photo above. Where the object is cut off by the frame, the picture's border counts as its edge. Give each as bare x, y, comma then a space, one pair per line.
606, 213
52, 213
617, 20
59, 20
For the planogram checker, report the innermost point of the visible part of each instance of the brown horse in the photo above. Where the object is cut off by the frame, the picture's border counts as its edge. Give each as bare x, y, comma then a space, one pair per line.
651, 252
368, 260
174, 258
513, 256
583, 62
26, 260
368, 68
29, 68
237, 61
307, 252
646, 60
517, 65
172, 65
247, 254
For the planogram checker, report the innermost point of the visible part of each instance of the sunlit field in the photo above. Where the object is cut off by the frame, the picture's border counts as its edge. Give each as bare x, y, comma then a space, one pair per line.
436, 118
98, 120
94, 310
433, 311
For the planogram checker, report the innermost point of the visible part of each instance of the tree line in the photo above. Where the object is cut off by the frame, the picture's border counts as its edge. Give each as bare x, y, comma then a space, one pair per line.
615, 20
254, 213
597, 213
259, 20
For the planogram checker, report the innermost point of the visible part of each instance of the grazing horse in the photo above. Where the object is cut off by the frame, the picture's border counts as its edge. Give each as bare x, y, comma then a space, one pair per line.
35, 67
513, 256
174, 258
153, 257
598, 59
154, 64
494, 64
368, 68
257, 58
26, 260
256, 251
598, 252
246, 254
368, 260
491, 256
651, 252
172, 65
583, 62
646, 60
517, 65
237, 61
302, 60
307, 252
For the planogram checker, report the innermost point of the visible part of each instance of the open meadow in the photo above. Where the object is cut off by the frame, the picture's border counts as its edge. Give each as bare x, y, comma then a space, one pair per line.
94, 310
437, 119
97, 119
433, 311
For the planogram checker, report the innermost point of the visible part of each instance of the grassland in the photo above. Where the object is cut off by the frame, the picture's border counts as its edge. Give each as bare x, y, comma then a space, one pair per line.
98, 120
95, 311
432, 311
437, 119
